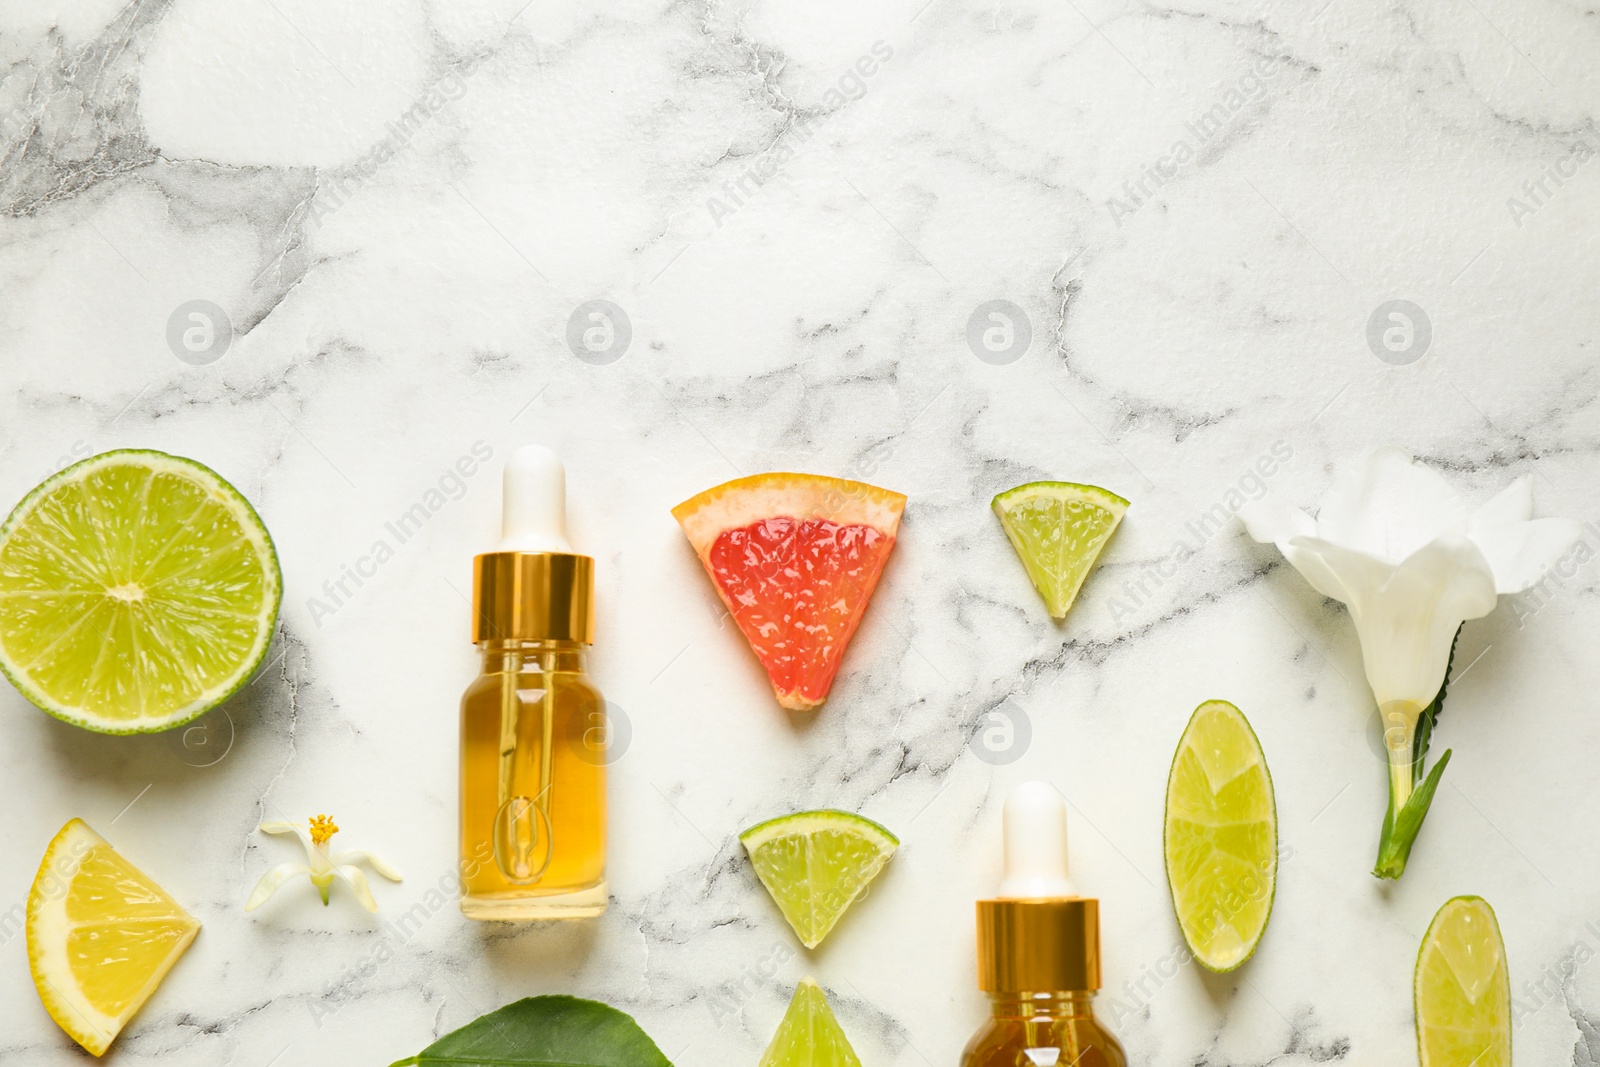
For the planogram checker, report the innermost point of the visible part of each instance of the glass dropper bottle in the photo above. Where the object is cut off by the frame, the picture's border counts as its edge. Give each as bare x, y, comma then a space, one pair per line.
533, 726
1039, 950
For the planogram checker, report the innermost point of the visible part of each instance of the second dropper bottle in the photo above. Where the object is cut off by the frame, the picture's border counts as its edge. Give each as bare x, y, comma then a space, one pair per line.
1039, 949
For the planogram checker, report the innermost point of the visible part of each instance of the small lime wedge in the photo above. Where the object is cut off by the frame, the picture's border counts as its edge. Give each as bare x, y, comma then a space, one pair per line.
137, 591
809, 1035
816, 863
1463, 989
1221, 838
1059, 528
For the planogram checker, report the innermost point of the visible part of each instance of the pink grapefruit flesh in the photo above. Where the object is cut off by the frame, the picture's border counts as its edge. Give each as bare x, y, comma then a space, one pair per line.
795, 558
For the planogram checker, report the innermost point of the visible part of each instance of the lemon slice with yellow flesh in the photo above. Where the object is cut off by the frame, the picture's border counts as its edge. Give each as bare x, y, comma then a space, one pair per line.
809, 1035
1463, 989
101, 936
1221, 839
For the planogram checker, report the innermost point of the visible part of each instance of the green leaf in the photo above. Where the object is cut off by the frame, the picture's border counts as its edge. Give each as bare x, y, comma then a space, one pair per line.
545, 1032
1430, 714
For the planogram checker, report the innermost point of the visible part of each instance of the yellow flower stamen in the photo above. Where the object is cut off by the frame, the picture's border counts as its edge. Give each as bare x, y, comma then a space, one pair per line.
322, 830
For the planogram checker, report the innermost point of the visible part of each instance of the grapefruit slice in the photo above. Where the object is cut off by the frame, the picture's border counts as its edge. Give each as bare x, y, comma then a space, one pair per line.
795, 557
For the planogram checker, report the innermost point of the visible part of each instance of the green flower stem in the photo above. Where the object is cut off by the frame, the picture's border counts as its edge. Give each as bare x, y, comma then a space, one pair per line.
1407, 732
1408, 807
1402, 781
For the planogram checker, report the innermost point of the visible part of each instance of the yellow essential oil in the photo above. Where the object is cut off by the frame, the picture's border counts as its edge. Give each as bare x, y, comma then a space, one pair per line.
533, 726
1043, 1028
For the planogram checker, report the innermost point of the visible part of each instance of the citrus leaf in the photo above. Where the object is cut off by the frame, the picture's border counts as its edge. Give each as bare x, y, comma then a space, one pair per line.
554, 1031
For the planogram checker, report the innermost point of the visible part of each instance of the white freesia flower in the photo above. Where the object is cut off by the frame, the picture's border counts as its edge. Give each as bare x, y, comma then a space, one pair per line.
1401, 548
321, 865
1398, 545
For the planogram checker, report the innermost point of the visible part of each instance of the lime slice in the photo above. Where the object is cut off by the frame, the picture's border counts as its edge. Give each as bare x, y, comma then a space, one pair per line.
1221, 837
1463, 989
101, 936
1059, 528
809, 1035
816, 863
137, 591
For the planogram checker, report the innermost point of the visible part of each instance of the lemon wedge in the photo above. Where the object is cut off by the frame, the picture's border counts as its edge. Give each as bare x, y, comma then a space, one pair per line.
101, 936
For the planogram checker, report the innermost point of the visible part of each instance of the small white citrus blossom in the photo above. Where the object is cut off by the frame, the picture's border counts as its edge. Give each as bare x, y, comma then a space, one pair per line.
1398, 545
321, 865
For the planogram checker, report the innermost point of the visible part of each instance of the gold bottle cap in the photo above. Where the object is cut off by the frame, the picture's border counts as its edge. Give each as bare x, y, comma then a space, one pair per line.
532, 596
534, 587
1039, 945
1037, 935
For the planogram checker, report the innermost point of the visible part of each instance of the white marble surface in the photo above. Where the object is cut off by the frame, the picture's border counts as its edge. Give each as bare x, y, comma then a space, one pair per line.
395, 298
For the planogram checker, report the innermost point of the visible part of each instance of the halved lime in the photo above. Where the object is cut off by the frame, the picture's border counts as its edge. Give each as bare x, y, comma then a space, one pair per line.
809, 1035
816, 863
137, 591
1059, 528
1463, 989
1221, 837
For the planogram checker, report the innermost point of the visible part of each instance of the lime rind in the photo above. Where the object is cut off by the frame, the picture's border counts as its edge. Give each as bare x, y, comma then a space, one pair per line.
816, 864
1210, 768
234, 503
1058, 530
1452, 1033
805, 822
1063, 491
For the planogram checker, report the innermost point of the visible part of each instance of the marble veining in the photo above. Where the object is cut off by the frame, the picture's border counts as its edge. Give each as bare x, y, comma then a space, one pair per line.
394, 217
